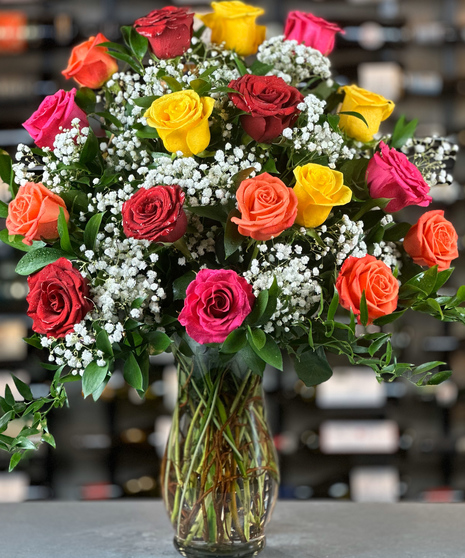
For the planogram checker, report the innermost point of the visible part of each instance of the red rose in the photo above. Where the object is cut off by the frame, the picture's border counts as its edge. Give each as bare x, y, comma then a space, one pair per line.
270, 102
155, 214
58, 299
168, 30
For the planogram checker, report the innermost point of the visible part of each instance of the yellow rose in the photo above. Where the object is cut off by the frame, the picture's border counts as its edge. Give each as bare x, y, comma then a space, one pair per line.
181, 120
373, 107
233, 23
318, 190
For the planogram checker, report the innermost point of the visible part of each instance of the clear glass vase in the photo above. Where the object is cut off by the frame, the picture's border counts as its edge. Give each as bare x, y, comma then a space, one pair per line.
219, 474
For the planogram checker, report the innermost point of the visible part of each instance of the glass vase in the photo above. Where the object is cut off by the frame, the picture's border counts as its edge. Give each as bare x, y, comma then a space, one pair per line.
219, 474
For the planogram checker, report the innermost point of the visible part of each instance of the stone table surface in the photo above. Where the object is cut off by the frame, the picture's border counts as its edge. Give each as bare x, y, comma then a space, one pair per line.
140, 529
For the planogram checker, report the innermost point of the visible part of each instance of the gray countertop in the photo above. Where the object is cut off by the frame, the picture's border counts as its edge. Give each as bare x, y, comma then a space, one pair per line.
140, 529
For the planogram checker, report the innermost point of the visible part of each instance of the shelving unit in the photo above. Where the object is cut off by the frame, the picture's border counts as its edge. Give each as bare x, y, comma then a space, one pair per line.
113, 448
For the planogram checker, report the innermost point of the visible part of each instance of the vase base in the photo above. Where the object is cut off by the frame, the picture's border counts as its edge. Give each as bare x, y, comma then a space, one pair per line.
210, 550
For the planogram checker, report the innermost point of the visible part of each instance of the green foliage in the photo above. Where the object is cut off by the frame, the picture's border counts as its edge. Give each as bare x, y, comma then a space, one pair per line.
403, 131
92, 229
232, 238
37, 259
93, 377
312, 367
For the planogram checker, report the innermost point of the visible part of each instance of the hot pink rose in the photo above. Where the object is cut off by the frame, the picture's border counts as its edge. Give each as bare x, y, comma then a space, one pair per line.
217, 302
391, 175
313, 31
54, 111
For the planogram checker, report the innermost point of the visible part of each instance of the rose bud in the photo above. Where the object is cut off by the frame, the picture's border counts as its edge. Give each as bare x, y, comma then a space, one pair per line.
169, 31
217, 302
375, 278
312, 31
54, 112
270, 102
432, 241
91, 65
391, 175
34, 213
58, 299
155, 214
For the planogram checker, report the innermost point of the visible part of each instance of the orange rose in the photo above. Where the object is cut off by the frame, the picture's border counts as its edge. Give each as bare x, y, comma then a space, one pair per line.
34, 213
267, 206
432, 241
91, 65
375, 278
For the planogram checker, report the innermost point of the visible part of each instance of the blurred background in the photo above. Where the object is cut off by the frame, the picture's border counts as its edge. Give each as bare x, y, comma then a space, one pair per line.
350, 438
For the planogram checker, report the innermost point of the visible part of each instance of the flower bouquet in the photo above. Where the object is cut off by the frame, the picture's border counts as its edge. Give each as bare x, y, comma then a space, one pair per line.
229, 210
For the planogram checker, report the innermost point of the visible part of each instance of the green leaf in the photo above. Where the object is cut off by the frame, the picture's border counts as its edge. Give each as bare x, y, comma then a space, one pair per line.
16, 242
5, 419
147, 132
397, 232
3, 210
93, 377
90, 150
232, 238
173, 83
115, 46
333, 121
241, 176
33, 341
158, 341
273, 293
252, 360
270, 353
439, 377
363, 310
402, 132
103, 343
98, 392
138, 43
261, 302
458, 298
65, 242
110, 117
180, 285
443, 277
146, 102
210, 212
256, 337
23, 389
389, 318
434, 304
333, 306
49, 439
355, 115
200, 86
377, 344
312, 367
132, 372
240, 65
270, 166
132, 62
15, 459
37, 259
234, 342
86, 99
6, 172
427, 366
260, 68
91, 230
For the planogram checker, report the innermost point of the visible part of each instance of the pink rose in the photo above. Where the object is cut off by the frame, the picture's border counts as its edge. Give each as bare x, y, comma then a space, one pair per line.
54, 111
217, 302
313, 31
391, 175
